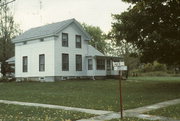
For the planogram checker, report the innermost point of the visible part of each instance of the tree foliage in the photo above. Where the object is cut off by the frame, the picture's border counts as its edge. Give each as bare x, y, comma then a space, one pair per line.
8, 29
153, 26
98, 38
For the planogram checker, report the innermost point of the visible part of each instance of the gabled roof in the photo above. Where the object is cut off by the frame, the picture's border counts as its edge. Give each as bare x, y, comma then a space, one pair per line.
48, 30
93, 51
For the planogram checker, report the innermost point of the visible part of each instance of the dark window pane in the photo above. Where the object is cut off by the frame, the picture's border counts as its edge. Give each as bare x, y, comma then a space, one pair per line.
90, 64
42, 62
78, 41
65, 62
25, 63
100, 64
78, 63
64, 39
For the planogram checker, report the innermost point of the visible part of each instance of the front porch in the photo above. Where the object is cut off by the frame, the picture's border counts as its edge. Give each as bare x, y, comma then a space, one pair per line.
102, 66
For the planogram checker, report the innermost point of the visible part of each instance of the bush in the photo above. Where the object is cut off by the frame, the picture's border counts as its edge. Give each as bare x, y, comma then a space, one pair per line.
3, 79
159, 66
7, 79
156, 73
147, 68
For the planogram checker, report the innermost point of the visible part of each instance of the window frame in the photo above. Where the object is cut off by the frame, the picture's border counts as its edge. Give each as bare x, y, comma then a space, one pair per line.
90, 65
65, 63
25, 64
78, 62
65, 41
78, 44
42, 65
100, 64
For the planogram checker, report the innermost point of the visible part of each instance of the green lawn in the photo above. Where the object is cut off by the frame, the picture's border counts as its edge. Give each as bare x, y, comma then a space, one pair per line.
25, 113
130, 119
170, 111
98, 94
164, 79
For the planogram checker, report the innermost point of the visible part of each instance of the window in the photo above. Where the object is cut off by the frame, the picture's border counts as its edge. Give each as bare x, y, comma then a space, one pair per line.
25, 42
65, 62
42, 62
90, 64
25, 63
78, 41
64, 39
78, 62
42, 40
100, 65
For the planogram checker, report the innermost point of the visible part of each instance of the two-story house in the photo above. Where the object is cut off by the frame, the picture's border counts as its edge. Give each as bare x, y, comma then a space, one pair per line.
59, 51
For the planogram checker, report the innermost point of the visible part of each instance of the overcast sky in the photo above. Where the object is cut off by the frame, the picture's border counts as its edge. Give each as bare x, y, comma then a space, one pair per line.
28, 14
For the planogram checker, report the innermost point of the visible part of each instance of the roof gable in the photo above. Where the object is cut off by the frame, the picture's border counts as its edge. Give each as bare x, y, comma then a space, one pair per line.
93, 51
48, 30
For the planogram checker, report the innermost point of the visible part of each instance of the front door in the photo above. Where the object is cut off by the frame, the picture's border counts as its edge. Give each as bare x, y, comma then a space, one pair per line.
108, 67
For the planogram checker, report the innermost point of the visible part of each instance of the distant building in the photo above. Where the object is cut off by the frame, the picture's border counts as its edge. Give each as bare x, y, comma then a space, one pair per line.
11, 69
59, 51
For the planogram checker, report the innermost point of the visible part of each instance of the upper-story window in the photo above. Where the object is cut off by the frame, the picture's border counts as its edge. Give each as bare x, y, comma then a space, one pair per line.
42, 40
78, 41
65, 39
25, 42
25, 63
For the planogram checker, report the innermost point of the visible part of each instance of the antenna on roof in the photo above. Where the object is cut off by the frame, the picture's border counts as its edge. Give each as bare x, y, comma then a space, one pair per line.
40, 13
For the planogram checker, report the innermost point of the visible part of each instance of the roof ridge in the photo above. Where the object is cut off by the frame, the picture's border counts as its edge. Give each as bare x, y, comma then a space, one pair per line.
50, 24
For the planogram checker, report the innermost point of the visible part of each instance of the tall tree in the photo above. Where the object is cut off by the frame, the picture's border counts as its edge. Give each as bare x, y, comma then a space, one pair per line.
153, 26
8, 29
98, 38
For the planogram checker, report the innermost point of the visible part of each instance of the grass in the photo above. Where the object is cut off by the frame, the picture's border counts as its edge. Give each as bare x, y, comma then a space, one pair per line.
98, 94
130, 119
170, 111
155, 78
25, 113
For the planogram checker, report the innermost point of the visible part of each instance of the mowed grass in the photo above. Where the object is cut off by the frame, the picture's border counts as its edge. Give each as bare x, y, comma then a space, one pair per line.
170, 111
97, 94
130, 119
26, 113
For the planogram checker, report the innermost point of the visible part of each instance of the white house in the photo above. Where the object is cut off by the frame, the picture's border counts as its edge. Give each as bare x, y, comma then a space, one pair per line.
59, 51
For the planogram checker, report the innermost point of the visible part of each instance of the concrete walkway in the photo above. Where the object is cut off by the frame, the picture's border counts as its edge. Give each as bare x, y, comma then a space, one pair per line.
107, 115
137, 112
90, 111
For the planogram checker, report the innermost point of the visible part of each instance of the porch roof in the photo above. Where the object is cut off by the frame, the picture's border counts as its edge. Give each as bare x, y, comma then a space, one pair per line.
11, 60
107, 57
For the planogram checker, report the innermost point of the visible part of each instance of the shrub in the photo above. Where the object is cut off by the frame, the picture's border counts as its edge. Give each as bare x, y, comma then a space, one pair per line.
159, 66
148, 68
156, 73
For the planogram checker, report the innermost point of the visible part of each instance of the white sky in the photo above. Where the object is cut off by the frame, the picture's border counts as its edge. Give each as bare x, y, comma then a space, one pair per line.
27, 13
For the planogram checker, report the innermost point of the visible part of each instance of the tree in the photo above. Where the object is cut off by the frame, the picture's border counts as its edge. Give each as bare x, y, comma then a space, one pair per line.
153, 26
98, 38
8, 29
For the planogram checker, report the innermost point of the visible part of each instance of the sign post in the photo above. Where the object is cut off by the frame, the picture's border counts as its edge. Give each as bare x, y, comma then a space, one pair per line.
120, 66
120, 93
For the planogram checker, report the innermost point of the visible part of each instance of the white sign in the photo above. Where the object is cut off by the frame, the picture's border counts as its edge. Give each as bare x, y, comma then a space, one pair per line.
115, 64
122, 68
